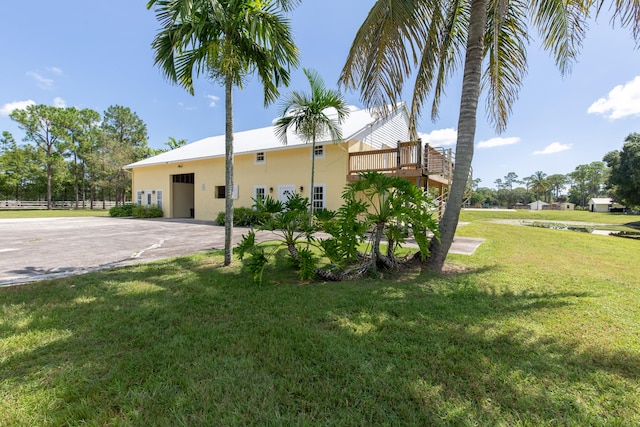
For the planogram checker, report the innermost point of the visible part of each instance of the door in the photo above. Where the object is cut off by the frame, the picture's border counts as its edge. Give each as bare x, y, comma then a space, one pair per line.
285, 192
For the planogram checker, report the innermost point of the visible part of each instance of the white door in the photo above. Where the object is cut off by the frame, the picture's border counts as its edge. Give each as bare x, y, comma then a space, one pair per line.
285, 192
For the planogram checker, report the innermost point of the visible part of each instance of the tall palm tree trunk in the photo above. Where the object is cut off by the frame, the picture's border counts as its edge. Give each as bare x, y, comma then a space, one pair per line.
466, 134
228, 178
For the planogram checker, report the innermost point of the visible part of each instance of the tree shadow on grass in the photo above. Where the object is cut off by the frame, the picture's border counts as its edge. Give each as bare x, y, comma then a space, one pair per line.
180, 342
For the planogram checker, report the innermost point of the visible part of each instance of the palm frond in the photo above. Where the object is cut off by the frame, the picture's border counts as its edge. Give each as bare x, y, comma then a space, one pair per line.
505, 43
385, 50
441, 55
625, 12
307, 115
228, 40
561, 25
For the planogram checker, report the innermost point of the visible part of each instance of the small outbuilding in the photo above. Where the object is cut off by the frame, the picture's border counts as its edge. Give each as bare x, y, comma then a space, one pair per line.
566, 206
603, 204
538, 205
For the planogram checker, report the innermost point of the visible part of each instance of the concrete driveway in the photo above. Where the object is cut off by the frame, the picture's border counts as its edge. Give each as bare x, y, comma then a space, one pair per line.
37, 249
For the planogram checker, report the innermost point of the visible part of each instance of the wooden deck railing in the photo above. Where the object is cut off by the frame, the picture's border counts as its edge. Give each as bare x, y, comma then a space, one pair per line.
408, 157
385, 160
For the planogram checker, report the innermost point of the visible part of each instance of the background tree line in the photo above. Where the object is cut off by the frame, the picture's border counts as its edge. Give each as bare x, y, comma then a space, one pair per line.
71, 154
618, 177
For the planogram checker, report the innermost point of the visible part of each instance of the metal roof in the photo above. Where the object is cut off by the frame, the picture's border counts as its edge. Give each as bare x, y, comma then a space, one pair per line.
360, 125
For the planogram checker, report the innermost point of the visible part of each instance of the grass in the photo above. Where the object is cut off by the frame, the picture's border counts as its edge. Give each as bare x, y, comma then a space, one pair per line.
53, 213
550, 215
538, 327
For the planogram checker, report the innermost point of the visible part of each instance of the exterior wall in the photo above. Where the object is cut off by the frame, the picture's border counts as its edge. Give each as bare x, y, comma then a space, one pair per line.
537, 206
385, 133
153, 178
290, 166
598, 208
293, 167
357, 146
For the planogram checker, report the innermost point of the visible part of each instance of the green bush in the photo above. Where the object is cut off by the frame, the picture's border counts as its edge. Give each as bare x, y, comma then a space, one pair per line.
122, 210
244, 217
151, 211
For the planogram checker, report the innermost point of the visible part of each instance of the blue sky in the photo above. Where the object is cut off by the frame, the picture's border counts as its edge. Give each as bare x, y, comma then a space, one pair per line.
93, 54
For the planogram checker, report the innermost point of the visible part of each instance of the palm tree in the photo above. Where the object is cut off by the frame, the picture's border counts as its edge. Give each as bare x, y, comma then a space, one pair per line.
427, 38
539, 183
312, 116
173, 143
228, 40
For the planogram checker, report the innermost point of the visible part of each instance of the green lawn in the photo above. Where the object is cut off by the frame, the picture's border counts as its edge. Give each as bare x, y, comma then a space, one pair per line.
585, 216
538, 327
53, 213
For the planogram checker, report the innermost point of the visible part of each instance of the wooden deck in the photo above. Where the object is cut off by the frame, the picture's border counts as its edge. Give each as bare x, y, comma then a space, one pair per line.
408, 160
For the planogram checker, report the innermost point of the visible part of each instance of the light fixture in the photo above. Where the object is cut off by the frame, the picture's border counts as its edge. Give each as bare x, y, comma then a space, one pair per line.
180, 165
153, 191
301, 188
270, 189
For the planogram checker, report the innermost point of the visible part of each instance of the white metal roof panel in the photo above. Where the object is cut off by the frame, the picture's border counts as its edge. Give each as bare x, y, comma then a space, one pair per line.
359, 123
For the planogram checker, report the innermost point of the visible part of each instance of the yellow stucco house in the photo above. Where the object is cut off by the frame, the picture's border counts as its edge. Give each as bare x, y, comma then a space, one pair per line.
190, 181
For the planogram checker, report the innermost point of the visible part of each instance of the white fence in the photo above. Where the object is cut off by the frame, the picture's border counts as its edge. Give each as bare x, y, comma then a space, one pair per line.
42, 204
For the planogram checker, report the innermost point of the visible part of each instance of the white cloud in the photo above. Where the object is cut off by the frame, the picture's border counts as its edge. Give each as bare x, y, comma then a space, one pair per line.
54, 70
440, 137
41, 81
622, 101
498, 142
59, 102
213, 100
181, 105
15, 105
554, 147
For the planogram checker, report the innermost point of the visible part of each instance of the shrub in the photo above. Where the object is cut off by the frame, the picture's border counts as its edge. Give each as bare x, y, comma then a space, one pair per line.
290, 223
151, 211
244, 217
391, 207
220, 218
122, 210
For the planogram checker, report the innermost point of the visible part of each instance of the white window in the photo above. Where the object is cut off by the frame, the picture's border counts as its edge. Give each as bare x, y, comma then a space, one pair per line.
259, 193
159, 198
139, 197
319, 196
261, 158
318, 152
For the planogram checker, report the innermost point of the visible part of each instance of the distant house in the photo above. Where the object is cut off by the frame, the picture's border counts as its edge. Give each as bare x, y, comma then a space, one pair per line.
603, 204
537, 205
565, 206
189, 181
